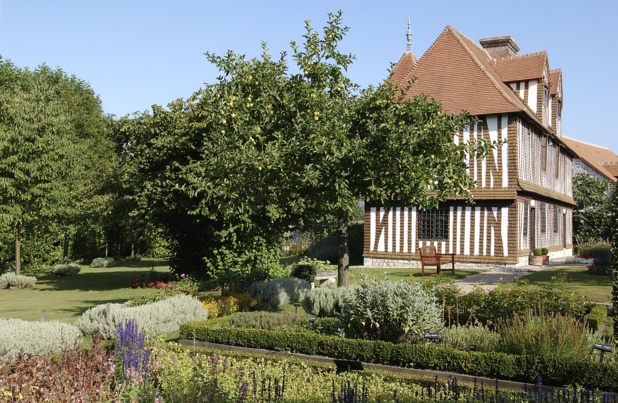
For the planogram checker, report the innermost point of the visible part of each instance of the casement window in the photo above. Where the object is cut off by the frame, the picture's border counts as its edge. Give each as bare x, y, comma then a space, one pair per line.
556, 218
543, 218
433, 225
557, 162
526, 218
544, 154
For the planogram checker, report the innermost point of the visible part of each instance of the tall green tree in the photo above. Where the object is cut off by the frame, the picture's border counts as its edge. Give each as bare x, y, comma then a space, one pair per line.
613, 224
590, 217
49, 125
270, 146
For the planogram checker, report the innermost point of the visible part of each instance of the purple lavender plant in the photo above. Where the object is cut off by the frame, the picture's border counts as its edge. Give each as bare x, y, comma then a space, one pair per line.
131, 352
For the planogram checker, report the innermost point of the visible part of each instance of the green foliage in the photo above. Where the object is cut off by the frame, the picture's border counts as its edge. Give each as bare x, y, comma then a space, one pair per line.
391, 311
326, 301
541, 335
591, 219
544, 251
280, 291
19, 336
53, 133
12, 280
537, 252
613, 217
526, 368
148, 299
70, 269
507, 299
596, 317
158, 317
462, 337
103, 262
588, 249
307, 268
267, 320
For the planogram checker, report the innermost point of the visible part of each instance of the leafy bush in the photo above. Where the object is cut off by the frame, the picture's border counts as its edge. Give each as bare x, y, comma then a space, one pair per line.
325, 301
587, 250
219, 306
148, 299
307, 268
70, 269
20, 336
528, 367
280, 291
463, 337
267, 320
391, 311
103, 262
543, 335
12, 280
159, 317
596, 317
73, 375
507, 299
601, 263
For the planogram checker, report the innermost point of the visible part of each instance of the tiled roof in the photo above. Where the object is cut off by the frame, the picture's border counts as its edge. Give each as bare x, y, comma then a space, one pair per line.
403, 66
555, 76
601, 159
522, 68
462, 76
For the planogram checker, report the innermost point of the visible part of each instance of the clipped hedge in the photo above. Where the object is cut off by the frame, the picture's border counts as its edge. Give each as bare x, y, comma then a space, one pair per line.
525, 368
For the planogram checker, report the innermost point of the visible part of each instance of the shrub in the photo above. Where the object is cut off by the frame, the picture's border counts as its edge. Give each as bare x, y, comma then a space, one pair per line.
159, 317
103, 262
267, 320
391, 311
73, 375
596, 317
553, 335
325, 301
12, 280
148, 299
307, 268
280, 291
39, 338
219, 306
601, 263
70, 269
587, 250
462, 337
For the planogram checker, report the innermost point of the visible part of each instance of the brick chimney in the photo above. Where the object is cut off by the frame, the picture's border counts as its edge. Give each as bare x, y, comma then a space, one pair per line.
500, 47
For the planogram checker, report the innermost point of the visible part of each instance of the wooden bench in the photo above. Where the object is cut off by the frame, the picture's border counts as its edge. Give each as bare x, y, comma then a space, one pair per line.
430, 257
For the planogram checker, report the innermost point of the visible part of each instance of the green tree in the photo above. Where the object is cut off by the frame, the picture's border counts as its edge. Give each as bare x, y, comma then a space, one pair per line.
613, 224
49, 125
268, 147
590, 217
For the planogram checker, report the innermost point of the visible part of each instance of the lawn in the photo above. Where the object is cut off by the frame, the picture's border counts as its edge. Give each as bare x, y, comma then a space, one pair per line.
408, 274
78, 293
595, 288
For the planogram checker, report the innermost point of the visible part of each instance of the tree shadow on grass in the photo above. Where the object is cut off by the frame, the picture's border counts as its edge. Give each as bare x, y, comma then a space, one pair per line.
94, 281
77, 311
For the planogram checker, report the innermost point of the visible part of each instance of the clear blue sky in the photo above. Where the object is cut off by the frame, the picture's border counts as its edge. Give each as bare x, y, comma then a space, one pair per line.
138, 53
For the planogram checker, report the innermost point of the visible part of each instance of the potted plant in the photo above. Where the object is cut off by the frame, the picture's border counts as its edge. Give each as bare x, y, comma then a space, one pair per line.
539, 257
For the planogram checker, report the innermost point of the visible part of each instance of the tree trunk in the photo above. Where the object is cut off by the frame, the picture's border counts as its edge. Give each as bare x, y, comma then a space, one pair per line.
17, 249
133, 237
66, 247
343, 257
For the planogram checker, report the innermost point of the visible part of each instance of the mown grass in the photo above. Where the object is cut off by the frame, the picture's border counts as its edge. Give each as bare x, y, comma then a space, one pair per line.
408, 274
574, 279
66, 298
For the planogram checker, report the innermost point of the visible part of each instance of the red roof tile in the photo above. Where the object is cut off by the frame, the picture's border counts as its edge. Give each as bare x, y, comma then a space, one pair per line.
522, 68
601, 159
461, 75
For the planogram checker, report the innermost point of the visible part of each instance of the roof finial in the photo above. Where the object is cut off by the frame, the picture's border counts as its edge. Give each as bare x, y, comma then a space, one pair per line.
409, 35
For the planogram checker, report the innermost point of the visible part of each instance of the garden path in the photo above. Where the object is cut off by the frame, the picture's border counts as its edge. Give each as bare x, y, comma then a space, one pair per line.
490, 279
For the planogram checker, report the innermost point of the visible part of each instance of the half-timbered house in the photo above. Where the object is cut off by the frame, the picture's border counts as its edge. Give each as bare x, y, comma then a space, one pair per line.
523, 197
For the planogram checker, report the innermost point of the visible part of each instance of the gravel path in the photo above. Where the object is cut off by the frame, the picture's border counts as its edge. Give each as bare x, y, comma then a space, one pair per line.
488, 280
